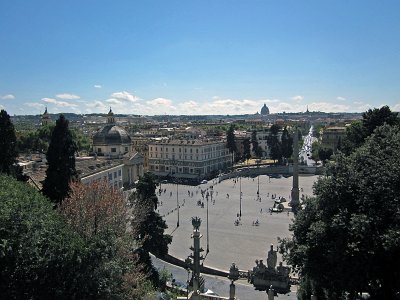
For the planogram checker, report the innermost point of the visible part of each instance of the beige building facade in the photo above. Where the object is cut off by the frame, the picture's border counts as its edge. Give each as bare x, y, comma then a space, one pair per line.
193, 160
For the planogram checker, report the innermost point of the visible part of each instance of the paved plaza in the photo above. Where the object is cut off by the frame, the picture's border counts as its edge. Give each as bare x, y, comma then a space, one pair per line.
242, 244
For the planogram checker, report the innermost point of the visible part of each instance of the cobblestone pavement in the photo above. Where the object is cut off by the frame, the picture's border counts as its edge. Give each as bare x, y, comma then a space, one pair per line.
228, 243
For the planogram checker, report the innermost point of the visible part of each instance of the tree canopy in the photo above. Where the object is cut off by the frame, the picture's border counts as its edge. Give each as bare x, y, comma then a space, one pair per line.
347, 238
274, 143
8, 142
230, 139
287, 144
60, 162
358, 131
147, 225
40, 257
246, 149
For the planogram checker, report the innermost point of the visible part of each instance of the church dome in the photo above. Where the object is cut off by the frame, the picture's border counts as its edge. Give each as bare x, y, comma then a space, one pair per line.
111, 134
265, 110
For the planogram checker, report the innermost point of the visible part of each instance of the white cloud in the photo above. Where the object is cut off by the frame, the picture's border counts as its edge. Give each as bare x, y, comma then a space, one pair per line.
34, 105
97, 86
68, 96
8, 97
126, 96
160, 101
59, 103
328, 107
96, 106
114, 101
2, 107
395, 107
340, 98
297, 98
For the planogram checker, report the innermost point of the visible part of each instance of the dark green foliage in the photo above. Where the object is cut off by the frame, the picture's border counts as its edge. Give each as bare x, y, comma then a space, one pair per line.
274, 144
40, 258
146, 190
325, 154
43, 257
82, 142
230, 140
254, 141
287, 144
39, 140
147, 225
8, 142
61, 162
246, 149
357, 132
347, 239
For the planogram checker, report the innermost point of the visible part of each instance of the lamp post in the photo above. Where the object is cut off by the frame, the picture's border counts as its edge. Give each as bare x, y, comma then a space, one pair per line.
208, 244
240, 197
177, 201
233, 276
188, 262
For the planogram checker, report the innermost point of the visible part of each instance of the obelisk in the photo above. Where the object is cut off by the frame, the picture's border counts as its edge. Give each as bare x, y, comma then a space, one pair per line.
295, 202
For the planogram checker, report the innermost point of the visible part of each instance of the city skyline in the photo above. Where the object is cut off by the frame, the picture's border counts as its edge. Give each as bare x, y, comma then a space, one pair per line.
199, 58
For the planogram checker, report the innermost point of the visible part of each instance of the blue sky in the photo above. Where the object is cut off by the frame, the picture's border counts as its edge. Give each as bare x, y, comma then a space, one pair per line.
199, 57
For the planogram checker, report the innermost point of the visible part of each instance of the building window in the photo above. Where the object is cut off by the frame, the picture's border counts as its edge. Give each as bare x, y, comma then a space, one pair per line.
110, 176
119, 172
115, 175
113, 149
173, 149
126, 149
99, 150
151, 148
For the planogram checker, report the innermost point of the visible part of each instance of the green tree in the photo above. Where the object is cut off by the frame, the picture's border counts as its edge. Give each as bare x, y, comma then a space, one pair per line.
8, 142
99, 215
287, 144
325, 154
346, 239
246, 149
147, 225
40, 256
82, 142
230, 140
254, 141
315, 150
274, 143
60, 162
358, 131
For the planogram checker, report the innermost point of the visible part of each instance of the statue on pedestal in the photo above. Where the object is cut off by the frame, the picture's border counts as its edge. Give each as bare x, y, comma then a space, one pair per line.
263, 276
272, 258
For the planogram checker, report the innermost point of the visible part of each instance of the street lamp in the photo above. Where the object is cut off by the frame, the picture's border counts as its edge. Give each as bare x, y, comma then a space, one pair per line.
240, 198
208, 245
177, 202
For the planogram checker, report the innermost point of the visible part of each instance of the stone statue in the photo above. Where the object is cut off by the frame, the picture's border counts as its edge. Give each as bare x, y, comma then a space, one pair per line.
196, 222
272, 258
